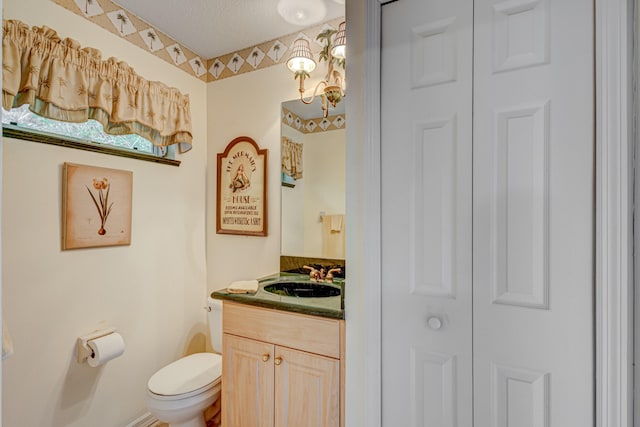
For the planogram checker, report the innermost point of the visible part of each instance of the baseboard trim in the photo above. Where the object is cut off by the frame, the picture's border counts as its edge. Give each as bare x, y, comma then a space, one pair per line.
145, 420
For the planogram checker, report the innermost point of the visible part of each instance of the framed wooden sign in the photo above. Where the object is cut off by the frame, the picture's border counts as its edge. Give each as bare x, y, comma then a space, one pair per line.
242, 189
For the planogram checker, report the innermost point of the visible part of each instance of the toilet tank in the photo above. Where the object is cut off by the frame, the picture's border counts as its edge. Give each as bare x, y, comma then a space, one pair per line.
215, 323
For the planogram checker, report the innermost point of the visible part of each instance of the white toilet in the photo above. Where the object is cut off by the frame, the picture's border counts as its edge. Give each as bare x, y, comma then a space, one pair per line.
179, 393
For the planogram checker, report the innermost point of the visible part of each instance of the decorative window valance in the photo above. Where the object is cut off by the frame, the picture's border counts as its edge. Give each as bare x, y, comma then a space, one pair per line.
291, 158
60, 80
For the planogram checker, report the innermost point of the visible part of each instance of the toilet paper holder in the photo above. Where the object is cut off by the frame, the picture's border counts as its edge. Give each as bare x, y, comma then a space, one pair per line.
83, 350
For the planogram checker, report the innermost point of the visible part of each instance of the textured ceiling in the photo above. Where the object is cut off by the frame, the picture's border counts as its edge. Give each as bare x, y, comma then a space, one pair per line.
212, 28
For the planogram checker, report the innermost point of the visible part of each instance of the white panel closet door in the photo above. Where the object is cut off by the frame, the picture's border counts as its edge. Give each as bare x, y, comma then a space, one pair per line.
487, 119
426, 213
533, 213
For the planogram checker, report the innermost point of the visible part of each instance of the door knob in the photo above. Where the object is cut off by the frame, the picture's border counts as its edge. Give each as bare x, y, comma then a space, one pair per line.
265, 357
434, 323
277, 360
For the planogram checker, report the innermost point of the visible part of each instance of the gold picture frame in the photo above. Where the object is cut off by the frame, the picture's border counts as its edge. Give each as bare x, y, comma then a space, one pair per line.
96, 206
241, 204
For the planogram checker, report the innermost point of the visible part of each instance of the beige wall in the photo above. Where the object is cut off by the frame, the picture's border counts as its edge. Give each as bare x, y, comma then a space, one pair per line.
152, 291
246, 105
324, 157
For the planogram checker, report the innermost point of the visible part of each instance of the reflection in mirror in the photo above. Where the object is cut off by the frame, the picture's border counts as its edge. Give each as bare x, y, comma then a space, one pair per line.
313, 181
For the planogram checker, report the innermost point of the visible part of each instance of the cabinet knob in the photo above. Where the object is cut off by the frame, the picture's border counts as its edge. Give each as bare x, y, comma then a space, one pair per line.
277, 360
265, 357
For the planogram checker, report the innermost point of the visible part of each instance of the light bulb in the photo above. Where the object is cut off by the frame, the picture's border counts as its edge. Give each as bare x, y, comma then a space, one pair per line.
339, 51
301, 58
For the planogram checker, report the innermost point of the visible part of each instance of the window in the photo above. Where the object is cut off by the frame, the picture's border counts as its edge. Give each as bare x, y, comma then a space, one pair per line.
88, 133
64, 82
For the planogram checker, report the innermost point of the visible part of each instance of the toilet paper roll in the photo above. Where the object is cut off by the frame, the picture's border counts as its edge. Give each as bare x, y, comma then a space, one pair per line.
105, 349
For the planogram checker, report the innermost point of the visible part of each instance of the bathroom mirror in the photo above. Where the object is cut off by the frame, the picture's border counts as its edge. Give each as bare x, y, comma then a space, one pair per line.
313, 181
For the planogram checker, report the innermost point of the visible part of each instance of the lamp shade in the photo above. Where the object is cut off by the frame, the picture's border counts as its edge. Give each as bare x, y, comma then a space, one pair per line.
340, 44
301, 58
302, 12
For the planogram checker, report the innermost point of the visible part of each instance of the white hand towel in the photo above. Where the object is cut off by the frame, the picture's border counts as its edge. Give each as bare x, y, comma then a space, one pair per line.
336, 222
243, 287
333, 241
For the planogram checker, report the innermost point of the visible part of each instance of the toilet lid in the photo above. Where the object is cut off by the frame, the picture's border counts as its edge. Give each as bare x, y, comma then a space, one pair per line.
186, 375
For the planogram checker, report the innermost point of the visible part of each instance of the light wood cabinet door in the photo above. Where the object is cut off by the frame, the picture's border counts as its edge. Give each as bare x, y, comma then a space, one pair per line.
307, 391
267, 383
247, 383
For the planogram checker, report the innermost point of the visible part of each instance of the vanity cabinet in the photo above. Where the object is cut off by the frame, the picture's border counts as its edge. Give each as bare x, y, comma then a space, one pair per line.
281, 369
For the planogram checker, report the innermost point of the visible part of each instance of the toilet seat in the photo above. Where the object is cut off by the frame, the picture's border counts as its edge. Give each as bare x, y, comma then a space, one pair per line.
186, 377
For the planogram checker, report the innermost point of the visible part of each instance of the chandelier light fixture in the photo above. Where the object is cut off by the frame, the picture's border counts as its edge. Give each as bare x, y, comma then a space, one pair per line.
301, 63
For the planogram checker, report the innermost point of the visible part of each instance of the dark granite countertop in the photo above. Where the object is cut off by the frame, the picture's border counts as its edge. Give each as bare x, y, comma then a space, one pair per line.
332, 307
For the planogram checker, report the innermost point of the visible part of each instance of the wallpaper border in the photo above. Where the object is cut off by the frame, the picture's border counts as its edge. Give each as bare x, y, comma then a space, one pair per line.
124, 23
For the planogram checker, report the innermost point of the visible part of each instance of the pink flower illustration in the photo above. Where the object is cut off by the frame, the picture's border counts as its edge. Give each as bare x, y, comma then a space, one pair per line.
102, 202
